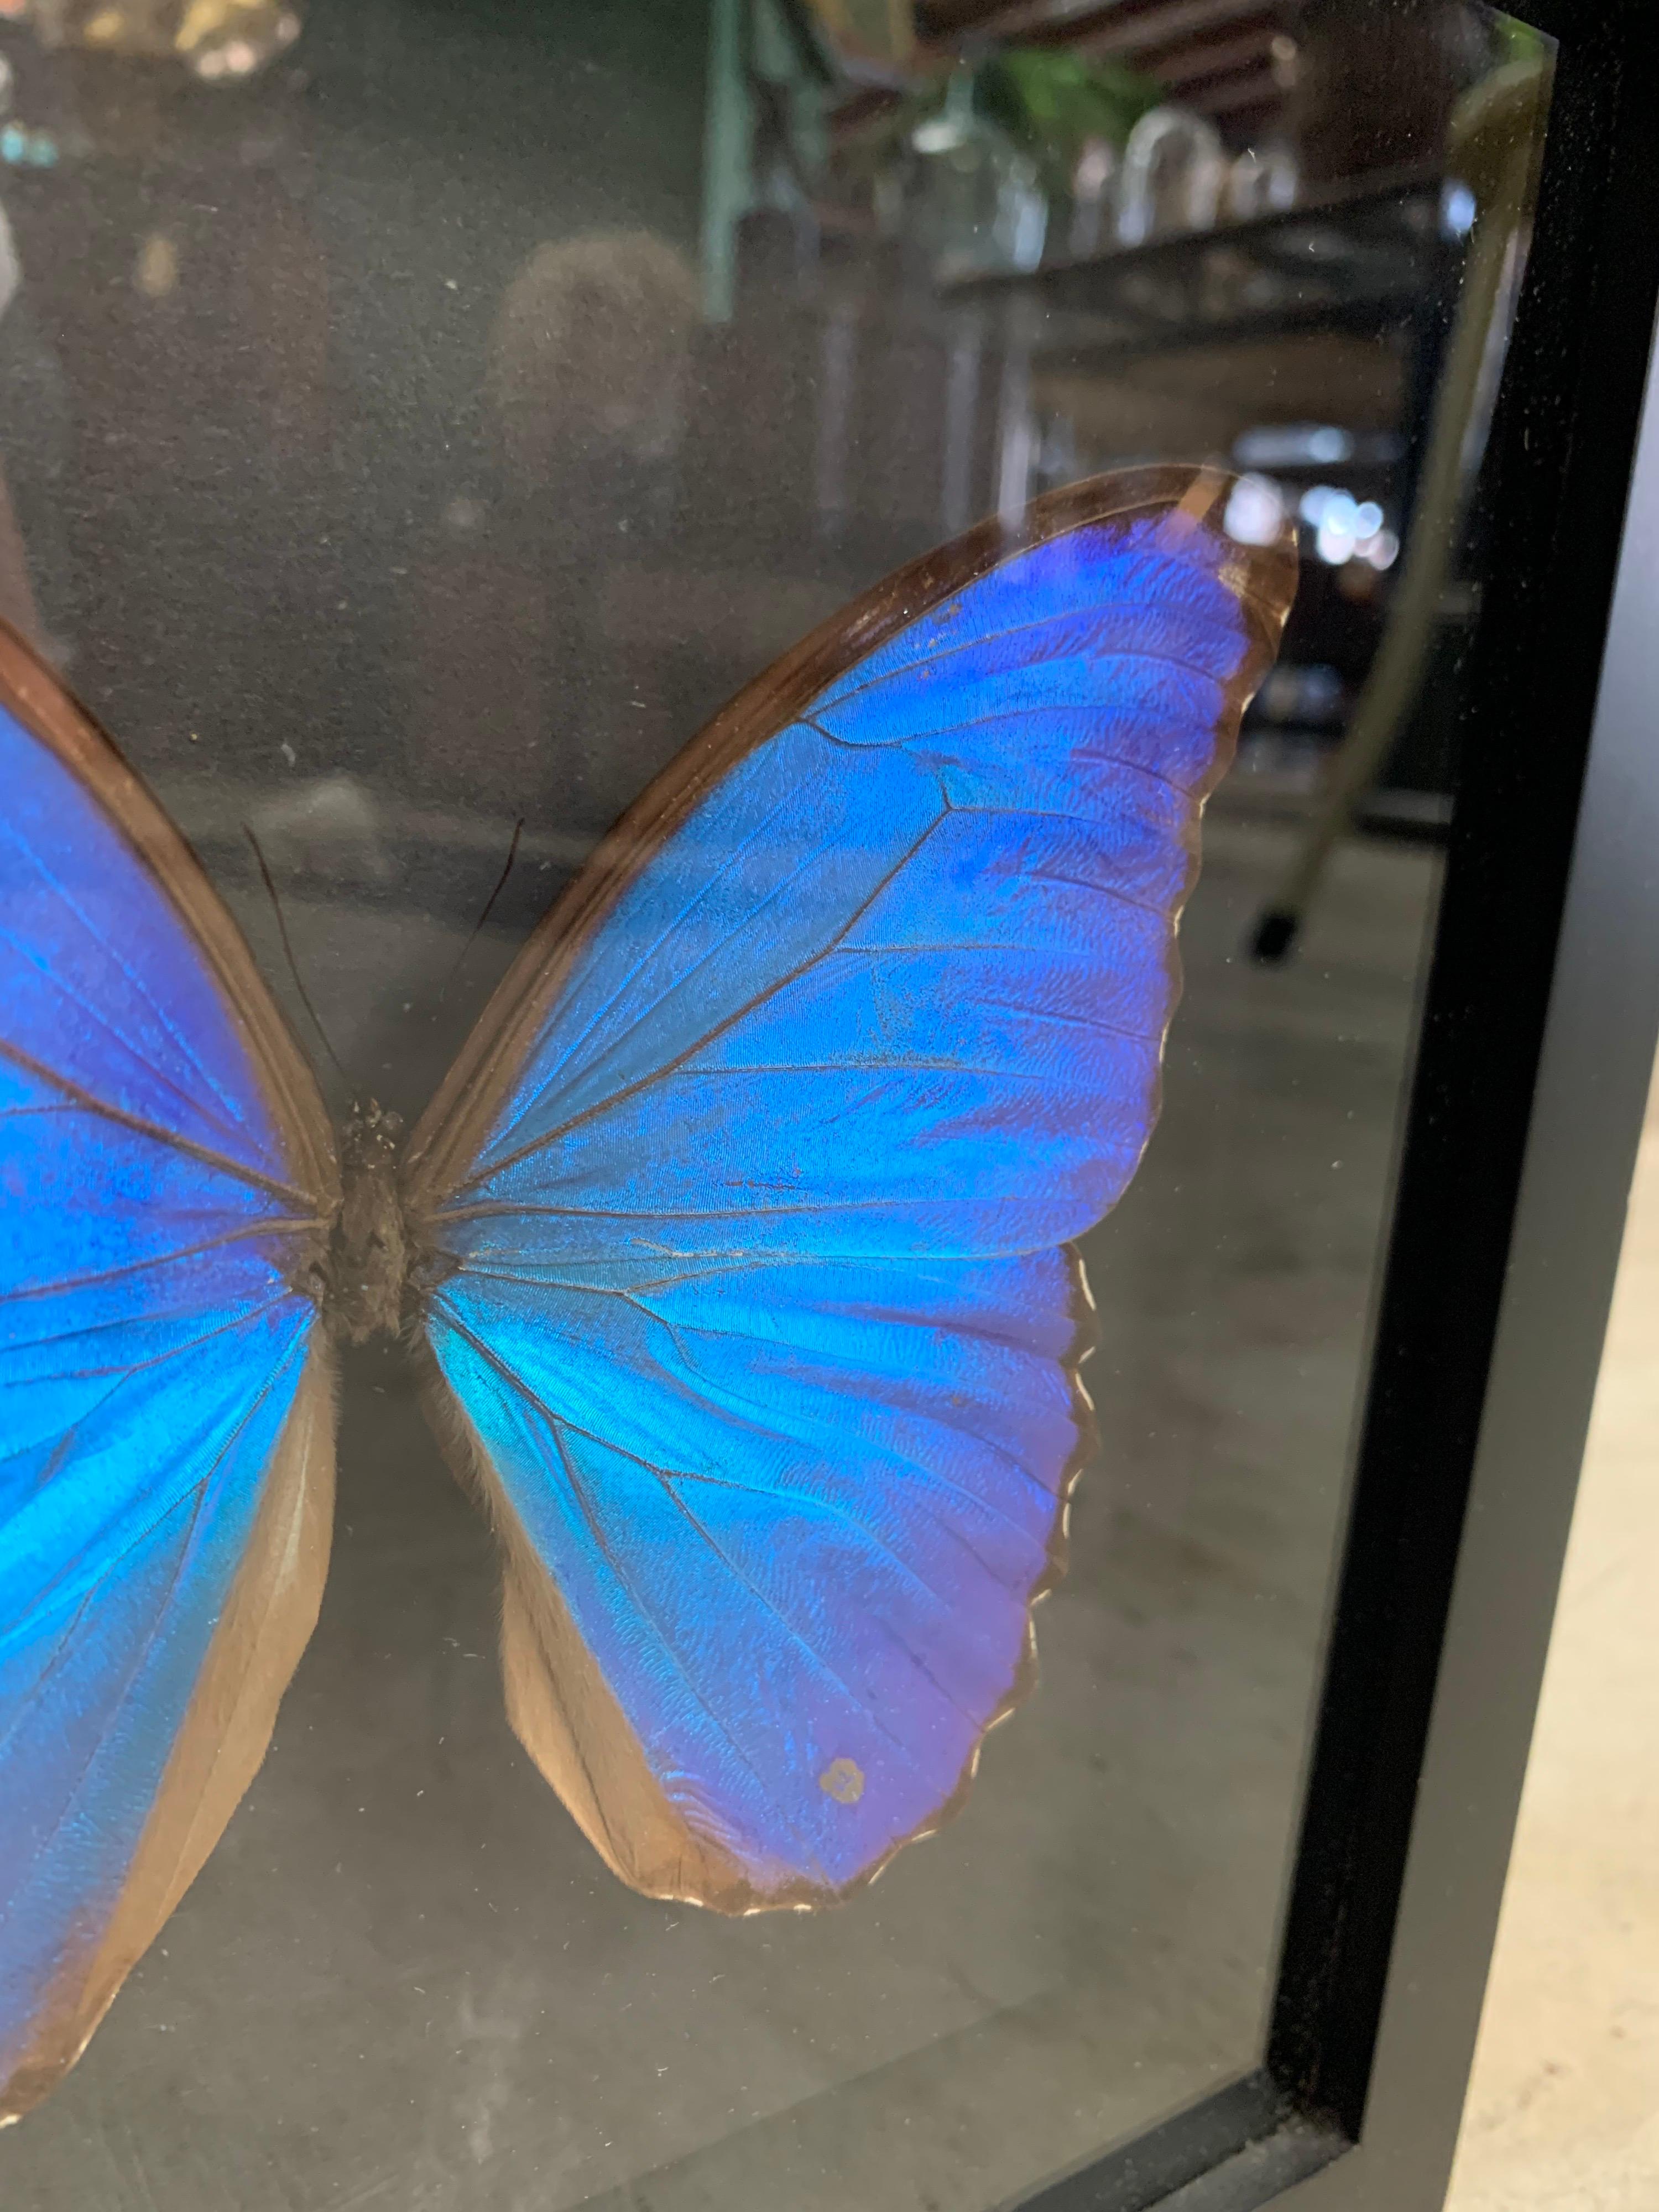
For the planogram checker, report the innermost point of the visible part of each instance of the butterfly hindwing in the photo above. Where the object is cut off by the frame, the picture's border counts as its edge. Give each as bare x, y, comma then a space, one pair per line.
166, 1416
748, 1205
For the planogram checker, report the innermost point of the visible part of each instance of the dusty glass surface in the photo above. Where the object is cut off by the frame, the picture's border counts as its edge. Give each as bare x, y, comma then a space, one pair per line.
420, 438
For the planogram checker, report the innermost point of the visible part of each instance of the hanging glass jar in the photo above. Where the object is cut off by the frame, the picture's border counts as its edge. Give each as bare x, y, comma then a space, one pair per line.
972, 201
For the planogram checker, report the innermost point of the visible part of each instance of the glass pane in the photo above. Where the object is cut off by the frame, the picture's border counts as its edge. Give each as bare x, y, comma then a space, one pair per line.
418, 422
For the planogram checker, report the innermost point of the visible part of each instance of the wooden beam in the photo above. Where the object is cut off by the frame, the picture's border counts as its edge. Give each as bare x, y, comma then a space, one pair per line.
1010, 18
1189, 64
1162, 26
1237, 95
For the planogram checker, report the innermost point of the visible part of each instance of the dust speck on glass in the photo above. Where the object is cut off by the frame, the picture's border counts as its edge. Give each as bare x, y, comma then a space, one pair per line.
418, 423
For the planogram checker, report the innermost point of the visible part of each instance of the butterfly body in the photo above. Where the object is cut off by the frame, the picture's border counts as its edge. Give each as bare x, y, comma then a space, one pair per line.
362, 1279
738, 1244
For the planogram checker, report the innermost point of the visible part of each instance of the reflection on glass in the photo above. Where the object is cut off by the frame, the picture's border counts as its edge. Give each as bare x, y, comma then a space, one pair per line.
1261, 181
1173, 176
216, 40
381, 476
973, 200
1092, 183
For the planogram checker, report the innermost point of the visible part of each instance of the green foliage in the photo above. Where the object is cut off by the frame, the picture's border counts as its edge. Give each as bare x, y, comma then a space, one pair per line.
1051, 102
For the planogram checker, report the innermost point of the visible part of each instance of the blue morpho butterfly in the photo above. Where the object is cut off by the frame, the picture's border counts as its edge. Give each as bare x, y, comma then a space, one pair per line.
737, 1245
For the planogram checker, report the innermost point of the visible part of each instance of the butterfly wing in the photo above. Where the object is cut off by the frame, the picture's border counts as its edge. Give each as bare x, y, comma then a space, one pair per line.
748, 1208
165, 1424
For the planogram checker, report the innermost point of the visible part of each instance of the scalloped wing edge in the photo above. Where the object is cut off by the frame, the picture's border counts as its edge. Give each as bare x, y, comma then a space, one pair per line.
569, 1721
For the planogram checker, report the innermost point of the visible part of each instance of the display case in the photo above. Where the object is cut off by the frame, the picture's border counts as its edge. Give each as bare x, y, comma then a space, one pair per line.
415, 428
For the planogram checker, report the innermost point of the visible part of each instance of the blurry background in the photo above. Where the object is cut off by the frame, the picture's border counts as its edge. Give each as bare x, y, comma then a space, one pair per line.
416, 418
486, 320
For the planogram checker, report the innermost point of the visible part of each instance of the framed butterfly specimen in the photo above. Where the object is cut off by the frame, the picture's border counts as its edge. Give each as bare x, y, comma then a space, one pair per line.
736, 1246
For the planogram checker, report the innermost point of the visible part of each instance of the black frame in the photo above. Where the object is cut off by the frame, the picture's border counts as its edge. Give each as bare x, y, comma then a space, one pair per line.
1540, 1021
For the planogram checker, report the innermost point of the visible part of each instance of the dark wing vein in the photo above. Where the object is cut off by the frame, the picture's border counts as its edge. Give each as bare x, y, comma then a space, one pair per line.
154, 1130
198, 1491
665, 1475
832, 1674
275, 1225
1080, 612
134, 983
665, 931
718, 1028
665, 1478
128, 1050
124, 1376
122, 1321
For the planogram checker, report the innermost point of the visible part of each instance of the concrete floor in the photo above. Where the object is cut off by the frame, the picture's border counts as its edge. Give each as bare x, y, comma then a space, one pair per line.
1563, 2112
404, 1981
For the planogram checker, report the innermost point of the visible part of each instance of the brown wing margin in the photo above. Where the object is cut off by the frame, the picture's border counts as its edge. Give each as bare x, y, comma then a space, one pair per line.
273, 1599
30, 691
558, 1702
261, 1633
1262, 578
564, 1712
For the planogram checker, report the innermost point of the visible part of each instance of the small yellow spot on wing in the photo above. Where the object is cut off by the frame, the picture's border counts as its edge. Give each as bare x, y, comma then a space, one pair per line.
843, 1780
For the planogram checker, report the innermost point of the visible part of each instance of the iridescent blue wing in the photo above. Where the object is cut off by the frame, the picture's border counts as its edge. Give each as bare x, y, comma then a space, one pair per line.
166, 1427
747, 1210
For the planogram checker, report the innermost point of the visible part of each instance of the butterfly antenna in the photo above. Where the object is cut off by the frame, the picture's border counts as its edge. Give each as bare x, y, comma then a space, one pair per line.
288, 949
489, 908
